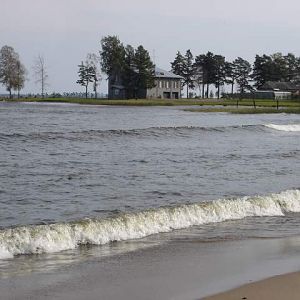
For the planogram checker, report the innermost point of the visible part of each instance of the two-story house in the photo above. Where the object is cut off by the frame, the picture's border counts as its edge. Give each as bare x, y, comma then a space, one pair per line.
167, 86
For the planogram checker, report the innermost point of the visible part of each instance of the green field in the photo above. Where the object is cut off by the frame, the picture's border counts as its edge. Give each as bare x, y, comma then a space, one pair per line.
206, 105
247, 110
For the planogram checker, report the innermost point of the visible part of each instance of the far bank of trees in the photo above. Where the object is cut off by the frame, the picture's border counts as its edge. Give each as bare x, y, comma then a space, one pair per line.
12, 71
126, 65
206, 70
212, 74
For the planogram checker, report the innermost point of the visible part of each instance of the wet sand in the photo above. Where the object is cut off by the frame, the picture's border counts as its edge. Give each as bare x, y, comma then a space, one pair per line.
275, 288
187, 269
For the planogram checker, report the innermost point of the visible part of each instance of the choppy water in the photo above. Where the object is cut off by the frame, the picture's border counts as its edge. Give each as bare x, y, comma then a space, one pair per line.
73, 175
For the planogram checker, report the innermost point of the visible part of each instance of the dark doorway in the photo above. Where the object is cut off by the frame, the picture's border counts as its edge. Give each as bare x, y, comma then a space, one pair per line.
167, 95
175, 95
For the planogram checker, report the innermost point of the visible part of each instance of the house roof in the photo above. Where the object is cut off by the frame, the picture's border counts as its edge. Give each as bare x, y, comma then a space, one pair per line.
160, 73
279, 86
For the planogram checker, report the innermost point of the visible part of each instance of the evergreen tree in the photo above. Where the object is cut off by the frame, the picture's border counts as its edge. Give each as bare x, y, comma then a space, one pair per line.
86, 75
230, 75
275, 67
184, 66
188, 71
145, 70
292, 67
129, 73
178, 65
208, 64
201, 71
219, 72
198, 78
112, 55
243, 71
131, 67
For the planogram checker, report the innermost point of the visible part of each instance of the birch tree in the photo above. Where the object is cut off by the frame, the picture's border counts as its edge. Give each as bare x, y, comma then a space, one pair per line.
40, 73
93, 62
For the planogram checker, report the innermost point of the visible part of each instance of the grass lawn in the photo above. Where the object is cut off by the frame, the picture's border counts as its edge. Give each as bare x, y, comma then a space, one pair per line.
247, 110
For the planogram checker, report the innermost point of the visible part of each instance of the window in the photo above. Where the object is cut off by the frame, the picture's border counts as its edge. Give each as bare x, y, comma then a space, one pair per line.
167, 84
160, 84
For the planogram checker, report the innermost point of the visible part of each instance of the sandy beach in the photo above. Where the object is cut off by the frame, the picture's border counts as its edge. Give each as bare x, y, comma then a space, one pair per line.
275, 288
176, 270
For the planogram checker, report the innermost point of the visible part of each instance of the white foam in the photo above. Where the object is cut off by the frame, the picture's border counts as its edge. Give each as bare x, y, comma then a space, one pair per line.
64, 236
289, 128
5, 254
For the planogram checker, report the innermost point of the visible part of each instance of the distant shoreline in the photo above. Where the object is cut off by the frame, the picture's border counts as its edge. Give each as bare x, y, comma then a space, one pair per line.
245, 106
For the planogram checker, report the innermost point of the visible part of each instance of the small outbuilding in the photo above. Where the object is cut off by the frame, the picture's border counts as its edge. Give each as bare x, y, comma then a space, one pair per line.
277, 90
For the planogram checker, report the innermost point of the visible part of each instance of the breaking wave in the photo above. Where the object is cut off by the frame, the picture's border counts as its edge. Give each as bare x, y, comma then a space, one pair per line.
37, 239
289, 128
142, 132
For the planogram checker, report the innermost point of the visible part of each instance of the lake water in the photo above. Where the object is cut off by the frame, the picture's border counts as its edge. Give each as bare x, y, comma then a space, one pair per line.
74, 175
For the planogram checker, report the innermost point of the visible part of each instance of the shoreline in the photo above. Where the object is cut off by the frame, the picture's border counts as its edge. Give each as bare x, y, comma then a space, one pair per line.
177, 270
187, 105
274, 288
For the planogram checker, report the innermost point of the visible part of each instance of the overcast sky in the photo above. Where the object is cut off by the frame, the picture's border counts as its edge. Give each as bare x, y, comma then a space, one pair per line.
64, 31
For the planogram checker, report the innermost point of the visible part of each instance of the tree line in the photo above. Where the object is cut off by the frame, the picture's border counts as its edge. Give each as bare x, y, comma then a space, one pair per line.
13, 73
134, 68
122, 64
209, 69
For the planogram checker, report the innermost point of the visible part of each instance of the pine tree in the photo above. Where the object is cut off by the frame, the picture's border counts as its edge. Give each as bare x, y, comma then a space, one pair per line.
243, 71
145, 70
184, 67
129, 76
188, 71
219, 72
230, 75
178, 64
86, 75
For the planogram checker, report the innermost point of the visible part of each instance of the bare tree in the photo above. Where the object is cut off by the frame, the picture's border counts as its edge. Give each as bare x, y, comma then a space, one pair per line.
40, 72
12, 71
93, 61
